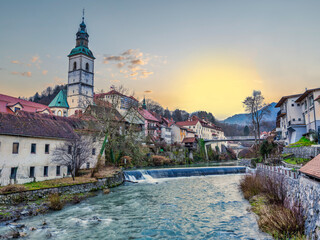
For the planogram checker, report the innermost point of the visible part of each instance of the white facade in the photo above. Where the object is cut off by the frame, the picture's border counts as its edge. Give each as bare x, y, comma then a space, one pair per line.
311, 110
166, 134
80, 82
36, 153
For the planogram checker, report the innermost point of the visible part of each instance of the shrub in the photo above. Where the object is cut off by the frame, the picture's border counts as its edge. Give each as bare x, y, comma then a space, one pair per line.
55, 202
281, 222
12, 188
160, 160
251, 186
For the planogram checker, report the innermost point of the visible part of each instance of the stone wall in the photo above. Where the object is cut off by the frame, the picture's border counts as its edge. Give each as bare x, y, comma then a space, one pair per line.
305, 192
303, 152
33, 195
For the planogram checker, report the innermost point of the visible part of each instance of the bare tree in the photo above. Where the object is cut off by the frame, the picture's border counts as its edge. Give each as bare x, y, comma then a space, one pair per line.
256, 106
73, 154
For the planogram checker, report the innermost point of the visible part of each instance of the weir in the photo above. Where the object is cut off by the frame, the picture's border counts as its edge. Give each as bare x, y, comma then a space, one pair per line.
148, 175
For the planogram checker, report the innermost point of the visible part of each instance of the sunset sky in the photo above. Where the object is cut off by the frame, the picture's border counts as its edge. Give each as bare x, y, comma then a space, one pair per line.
192, 55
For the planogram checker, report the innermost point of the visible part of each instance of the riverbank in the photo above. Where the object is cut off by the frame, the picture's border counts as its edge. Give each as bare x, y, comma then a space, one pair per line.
36, 198
267, 196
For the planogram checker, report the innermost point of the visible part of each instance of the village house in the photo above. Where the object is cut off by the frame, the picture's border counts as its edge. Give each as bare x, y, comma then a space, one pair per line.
290, 121
12, 105
299, 115
179, 133
27, 141
310, 108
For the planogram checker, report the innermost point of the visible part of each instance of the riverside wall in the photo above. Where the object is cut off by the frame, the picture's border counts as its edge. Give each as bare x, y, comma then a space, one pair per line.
304, 192
32, 195
303, 152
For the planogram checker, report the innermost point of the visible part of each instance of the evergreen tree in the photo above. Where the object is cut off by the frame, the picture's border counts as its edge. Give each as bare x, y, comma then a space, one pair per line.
246, 131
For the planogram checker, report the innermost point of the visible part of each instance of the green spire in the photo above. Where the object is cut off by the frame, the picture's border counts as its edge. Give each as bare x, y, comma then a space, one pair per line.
60, 100
144, 106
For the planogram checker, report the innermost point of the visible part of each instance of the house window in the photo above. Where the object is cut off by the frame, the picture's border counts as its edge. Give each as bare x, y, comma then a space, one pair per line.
292, 104
293, 119
58, 171
45, 171
311, 101
93, 151
31, 173
15, 148
33, 148
46, 148
299, 119
17, 109
69, 170
87, 66
69, 149
74, 65
88, 165
13, 174
298, 104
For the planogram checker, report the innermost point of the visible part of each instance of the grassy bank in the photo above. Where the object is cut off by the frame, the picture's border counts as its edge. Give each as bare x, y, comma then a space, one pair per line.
267, 196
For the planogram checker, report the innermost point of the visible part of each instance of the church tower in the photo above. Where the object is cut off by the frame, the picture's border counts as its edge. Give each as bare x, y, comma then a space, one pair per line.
80, 74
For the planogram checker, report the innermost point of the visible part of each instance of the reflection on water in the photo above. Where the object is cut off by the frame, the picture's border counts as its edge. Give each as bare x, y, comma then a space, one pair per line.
177, 208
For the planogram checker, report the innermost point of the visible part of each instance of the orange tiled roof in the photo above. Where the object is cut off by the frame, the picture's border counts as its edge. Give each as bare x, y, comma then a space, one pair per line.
312, 168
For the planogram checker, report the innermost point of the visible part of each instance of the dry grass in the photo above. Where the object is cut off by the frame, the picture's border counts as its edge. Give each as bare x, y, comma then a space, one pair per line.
251, 186
60, 182
12, 188
267, 195
281, 222
160, 160
55, 202
106, 172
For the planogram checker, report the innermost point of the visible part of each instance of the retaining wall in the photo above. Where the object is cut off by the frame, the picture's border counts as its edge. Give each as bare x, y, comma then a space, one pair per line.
12, 198
301, 191
303, 152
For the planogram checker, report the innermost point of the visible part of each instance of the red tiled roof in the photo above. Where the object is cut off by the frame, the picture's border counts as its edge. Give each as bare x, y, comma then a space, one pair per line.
187, 123
312, 168
317, 98
28, 106
147, 115
112, 92
189, 140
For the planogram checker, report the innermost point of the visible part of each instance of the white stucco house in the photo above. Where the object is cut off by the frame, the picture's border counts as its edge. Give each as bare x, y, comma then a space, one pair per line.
27, 141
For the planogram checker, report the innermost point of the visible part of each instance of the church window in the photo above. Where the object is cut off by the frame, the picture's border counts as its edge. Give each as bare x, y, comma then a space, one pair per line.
74, 65
59, 113
87, 66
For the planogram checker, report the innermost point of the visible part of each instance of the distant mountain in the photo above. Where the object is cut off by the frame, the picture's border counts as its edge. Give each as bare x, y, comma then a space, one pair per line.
245, 118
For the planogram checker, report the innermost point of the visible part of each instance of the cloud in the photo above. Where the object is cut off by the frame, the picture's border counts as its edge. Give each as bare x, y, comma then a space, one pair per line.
145, 74
15, 62
44, 72
133, 74
25, 74
148, 91
130, 62
35, 59
138, 62
113, 58
120, 64
128, 52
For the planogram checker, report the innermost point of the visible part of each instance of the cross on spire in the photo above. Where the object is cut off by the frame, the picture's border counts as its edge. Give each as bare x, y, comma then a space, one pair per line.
82, 15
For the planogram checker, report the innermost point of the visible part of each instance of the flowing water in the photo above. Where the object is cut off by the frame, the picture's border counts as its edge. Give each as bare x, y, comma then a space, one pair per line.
207, 207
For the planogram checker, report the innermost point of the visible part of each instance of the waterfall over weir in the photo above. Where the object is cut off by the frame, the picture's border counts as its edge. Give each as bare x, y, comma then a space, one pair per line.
151, 175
